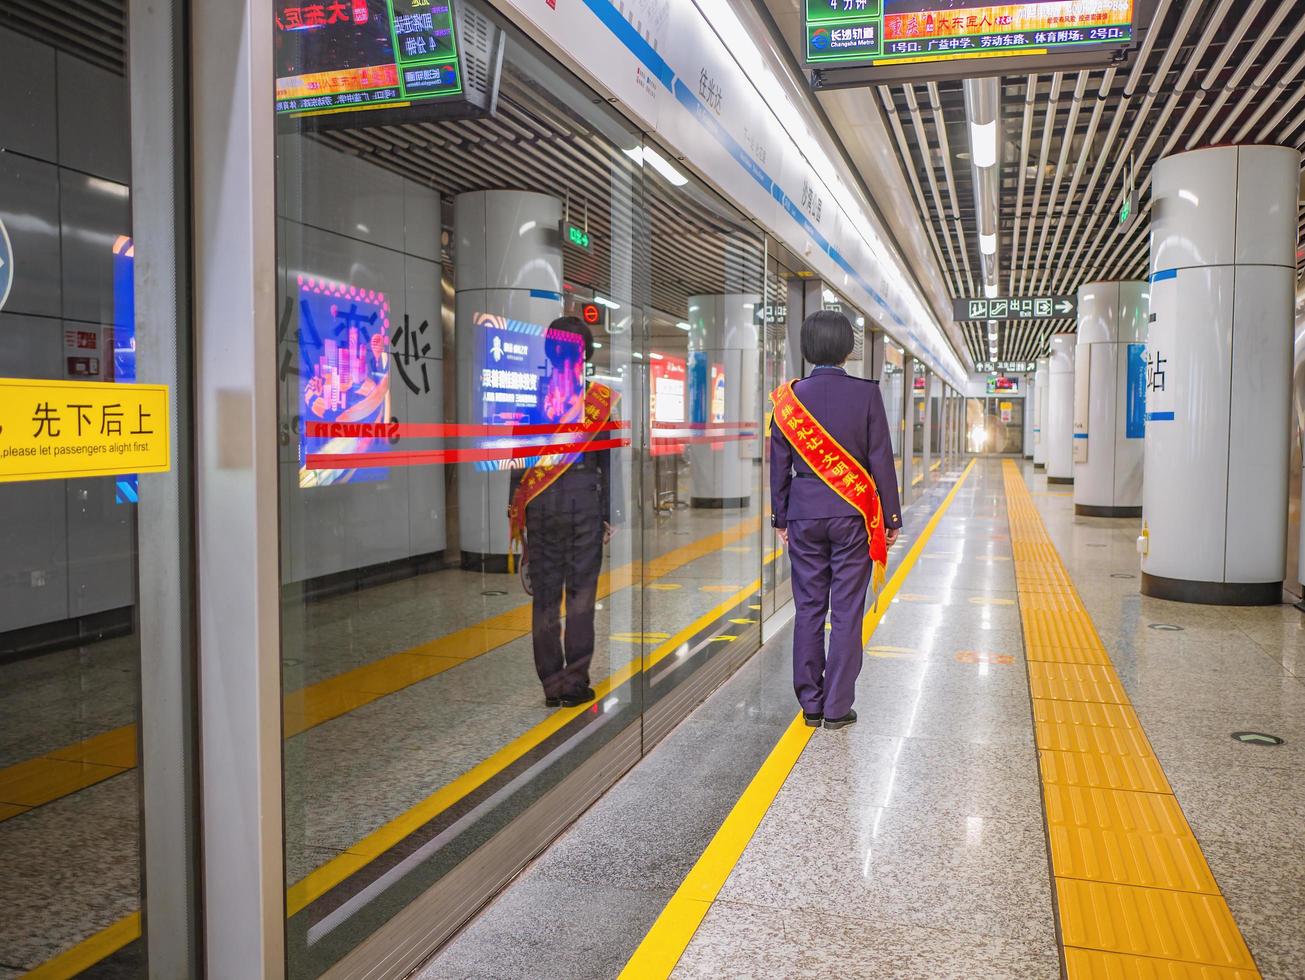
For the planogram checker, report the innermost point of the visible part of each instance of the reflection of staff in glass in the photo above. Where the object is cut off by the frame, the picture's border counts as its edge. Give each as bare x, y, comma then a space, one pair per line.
563, 504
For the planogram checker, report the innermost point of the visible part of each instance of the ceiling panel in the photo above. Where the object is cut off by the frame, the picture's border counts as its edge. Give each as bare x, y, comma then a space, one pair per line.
1207, 73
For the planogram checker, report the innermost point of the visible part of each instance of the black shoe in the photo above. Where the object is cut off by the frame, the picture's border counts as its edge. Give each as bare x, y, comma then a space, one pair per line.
835, 723
574, 698
552, 701
813, 719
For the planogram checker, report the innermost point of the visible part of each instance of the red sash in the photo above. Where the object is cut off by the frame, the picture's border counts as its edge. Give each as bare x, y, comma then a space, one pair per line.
598, 404
838, 468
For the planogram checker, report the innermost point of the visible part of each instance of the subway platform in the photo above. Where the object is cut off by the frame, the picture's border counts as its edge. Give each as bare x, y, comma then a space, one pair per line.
1043, 782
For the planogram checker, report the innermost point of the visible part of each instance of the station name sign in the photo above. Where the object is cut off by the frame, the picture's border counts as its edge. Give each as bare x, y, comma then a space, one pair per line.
1015, 308
886, 33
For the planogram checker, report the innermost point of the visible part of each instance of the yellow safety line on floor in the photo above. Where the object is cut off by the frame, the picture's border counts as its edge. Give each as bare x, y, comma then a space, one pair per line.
670, 935
59, 773
89, 951
321, 880
1135, 896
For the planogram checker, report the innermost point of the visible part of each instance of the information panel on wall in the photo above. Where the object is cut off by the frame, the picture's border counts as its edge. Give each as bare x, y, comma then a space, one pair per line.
1082, 403
884, 33
341, 55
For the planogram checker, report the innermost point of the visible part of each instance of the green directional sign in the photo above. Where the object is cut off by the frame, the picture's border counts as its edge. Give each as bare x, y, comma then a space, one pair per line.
1015, 308
577, 236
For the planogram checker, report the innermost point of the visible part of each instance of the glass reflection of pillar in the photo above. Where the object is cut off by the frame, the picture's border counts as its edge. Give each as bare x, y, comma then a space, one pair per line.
508, 264
722, 388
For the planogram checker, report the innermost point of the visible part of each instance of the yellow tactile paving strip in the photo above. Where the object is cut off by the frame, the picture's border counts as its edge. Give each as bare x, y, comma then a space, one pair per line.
46, 778
1135, 896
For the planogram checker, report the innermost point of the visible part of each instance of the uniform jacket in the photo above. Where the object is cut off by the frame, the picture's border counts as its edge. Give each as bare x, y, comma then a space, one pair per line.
852, 411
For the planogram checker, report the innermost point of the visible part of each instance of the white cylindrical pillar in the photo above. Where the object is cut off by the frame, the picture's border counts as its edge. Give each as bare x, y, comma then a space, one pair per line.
1041, 381
508, 276
1110, 412
1058, 432
722, 388
1219, 355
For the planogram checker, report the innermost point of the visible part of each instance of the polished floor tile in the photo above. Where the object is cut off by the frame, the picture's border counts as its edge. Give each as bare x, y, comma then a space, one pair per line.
740, 940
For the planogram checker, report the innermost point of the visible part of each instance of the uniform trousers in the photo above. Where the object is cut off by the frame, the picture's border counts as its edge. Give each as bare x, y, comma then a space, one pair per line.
564, 532
831, 564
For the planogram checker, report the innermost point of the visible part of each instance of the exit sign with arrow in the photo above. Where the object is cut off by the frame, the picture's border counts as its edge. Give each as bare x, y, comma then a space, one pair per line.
1015, 308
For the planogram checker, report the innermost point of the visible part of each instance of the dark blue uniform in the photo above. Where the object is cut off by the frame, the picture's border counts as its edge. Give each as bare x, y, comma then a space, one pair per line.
827, 542
564, 533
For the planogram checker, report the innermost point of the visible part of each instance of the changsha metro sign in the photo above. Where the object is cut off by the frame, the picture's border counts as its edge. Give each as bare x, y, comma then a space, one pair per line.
887, 32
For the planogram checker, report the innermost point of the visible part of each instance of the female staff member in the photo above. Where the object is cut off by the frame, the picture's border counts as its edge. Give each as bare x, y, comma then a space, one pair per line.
835, 504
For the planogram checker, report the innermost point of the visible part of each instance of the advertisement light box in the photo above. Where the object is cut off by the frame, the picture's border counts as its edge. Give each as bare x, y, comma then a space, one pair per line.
905, 38
339, 56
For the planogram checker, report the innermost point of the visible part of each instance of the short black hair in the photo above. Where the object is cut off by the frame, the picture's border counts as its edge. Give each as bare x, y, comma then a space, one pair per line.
827, 338
570, 324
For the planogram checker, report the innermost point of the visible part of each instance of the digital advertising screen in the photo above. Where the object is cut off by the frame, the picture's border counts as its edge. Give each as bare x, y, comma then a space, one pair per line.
529, 374
1003, 386
344, 377
342, 55
883, 33
666, 398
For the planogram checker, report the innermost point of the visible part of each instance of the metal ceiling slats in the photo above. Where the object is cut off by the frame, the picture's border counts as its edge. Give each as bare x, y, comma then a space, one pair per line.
1021, 176
1207, 72
93, 30
895, 121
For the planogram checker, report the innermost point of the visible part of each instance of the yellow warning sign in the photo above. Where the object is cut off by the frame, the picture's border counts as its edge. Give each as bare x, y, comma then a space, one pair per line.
54, 430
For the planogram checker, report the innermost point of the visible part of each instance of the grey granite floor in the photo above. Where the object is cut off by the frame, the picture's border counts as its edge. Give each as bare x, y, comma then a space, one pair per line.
581, 908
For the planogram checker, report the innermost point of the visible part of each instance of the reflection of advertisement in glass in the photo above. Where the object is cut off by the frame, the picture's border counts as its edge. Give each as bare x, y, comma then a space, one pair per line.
718, 393
529, 374
342, 54
699, 380
344, 377
120, 344
666, 397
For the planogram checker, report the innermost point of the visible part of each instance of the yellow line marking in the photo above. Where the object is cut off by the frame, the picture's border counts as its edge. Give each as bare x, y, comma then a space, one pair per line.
1136, 897
89, 951
669, 936
57, 774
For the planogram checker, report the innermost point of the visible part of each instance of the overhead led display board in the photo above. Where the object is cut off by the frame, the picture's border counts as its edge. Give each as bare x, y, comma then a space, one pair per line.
347, 55
886, 35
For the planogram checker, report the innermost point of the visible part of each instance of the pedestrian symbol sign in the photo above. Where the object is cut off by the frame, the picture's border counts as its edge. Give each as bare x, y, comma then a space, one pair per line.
55, 430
